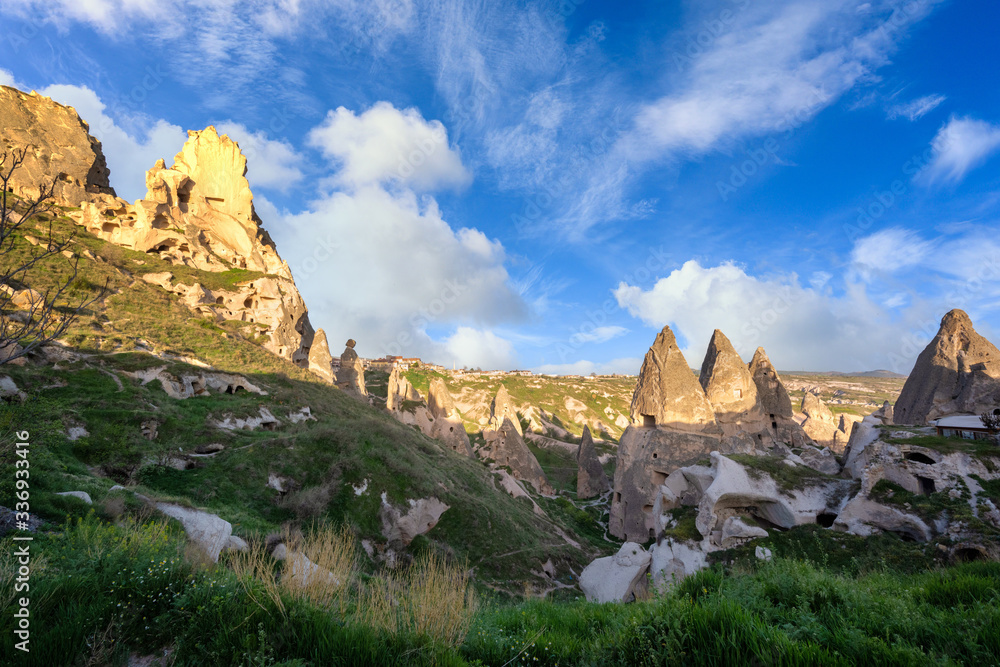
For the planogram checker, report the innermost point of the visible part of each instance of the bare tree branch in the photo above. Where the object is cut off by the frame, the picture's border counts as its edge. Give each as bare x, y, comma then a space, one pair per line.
48, 314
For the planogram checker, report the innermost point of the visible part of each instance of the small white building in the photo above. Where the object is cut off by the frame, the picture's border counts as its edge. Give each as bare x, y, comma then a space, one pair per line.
967, 427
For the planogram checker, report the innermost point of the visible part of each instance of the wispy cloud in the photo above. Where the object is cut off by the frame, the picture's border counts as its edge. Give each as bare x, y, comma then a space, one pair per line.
890, 250
598, 334
962, 144
916, 109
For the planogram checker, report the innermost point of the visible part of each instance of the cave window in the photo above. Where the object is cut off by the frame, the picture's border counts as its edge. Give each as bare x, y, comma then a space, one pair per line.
648, 421
108, 227
917, 457
219, 301
968, 554
655, 455
826, 519
926, 485
248, 303
996, 413
618, 497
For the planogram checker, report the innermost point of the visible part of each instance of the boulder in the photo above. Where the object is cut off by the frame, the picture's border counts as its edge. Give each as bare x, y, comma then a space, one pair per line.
820, 424
320, 360
28, 299
206, 530
9, 390
82, 495
507, 449
420, 518
822, 460
591, 479
864, 516
618, 578
300, 571
351, 374
958, 372
667, 393
736, 531
263, 420
59, 149
885, 413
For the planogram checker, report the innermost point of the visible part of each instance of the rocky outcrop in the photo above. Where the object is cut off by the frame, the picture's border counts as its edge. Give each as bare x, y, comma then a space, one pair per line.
618, 578
421, 517
667, 393
206, 530
507, 449
731, 389
59, 149
200, 384
958, 372
883, 414
646, 457
820, 424
774, 402
502, 408
351, 374
591, 479
199, 213
320, 359
726, 380
439, 400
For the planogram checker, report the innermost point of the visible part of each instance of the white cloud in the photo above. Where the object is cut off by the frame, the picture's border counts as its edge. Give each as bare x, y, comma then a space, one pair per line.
386, 269
598, 334
7, 79
776, 68
801, 328
623, 366
961, 145
386, 145
890, 250
476, 348
917, 108
270, 163
128, 156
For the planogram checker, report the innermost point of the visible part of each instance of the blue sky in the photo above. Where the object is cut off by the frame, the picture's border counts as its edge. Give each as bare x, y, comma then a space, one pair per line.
545, 185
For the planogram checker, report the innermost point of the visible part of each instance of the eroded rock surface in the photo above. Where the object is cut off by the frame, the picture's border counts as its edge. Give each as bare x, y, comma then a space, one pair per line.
667, 393
591, 479
958, 372
507, 449
59, 149
351, 374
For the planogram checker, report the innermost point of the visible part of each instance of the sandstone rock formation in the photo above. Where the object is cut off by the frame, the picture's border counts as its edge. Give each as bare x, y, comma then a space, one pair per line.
351, 374
448, 425
320, 359
820, 424
507, 449
206, 530
884, 414
726, 380
730, 388
667, 393
618, 578
503, 408
774, 402
646, 457
422, 515
958, 372
59, 149
591, 480
439, 400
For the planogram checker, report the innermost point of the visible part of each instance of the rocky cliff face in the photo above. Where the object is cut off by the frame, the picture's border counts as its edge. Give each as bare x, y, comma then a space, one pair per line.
590, 477
59, 149
959, 371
